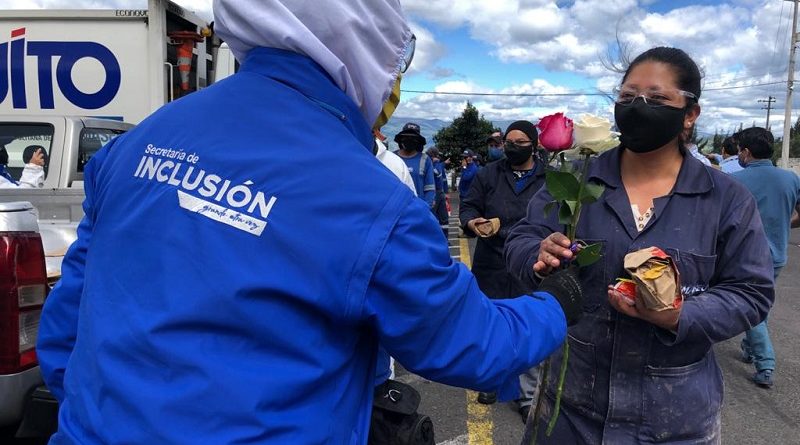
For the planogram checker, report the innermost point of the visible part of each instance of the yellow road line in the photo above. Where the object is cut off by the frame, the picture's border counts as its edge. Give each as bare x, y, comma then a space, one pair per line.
479, 421
465, 257
479, 417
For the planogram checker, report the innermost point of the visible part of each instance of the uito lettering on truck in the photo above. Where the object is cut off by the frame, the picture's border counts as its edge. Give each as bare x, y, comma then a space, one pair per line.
118, 64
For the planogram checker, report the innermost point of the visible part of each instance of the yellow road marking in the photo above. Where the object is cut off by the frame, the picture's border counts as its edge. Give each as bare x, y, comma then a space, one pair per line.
479, 421
479, 417
465, 257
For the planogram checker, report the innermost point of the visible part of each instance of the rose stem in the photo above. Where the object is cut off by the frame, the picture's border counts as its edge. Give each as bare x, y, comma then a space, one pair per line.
561, 377
537, 413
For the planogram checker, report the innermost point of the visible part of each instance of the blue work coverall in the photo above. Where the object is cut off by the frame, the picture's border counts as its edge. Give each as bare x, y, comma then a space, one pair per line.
421, 169
218, 295
629, 381
467, 176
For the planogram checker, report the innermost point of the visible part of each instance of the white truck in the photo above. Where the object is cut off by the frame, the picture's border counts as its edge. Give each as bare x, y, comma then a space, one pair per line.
71, 80
120, 64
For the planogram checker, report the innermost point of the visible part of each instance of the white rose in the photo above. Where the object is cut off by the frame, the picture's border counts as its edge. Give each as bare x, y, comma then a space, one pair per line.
594, 134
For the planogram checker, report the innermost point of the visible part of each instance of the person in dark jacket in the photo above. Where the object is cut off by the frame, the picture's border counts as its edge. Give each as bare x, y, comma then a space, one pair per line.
636, 375
502, 190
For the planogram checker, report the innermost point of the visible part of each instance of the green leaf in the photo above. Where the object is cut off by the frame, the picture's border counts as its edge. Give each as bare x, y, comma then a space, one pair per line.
549, 208
589, 255
565, 212
562, 186
592, 192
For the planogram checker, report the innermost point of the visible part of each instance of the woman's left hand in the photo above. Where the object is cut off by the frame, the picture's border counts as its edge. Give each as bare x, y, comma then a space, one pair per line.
667, 319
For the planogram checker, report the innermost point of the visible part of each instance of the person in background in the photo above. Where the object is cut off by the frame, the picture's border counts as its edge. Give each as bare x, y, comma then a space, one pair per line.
502, 190
393, 162
440, 179
469, 168
636, 375
730, 155
777, 194
254, 301
32, 174
411, 143
495, 147
692, 147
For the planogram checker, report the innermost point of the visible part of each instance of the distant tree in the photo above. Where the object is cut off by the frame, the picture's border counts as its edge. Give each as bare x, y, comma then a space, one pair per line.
717, 141
468, 131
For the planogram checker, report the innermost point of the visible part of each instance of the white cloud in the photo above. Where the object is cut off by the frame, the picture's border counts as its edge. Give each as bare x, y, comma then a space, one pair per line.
738, 42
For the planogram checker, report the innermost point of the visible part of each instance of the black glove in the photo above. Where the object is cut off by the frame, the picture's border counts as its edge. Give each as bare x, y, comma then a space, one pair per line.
564, 285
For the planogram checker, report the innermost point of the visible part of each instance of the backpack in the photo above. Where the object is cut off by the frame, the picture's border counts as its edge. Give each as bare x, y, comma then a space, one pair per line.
395, 420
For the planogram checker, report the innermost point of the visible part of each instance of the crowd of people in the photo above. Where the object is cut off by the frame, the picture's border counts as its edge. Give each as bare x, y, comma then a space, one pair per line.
215, 332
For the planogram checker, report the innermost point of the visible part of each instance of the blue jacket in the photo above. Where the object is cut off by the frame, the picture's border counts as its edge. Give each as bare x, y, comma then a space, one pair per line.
777, 192
440, 177
216, 294
627, 380
421, 169
467, 176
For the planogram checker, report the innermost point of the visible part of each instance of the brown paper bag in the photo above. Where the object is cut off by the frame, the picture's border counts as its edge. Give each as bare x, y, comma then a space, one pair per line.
656, 277
488, 228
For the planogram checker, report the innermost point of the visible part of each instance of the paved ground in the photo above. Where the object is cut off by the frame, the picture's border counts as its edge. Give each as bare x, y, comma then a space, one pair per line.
751, 415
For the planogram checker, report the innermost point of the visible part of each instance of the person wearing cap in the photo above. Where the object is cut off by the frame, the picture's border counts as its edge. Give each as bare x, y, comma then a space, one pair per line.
440, 179
502, 190
411, 143
469, 168
393, 162
495, 147
226, 297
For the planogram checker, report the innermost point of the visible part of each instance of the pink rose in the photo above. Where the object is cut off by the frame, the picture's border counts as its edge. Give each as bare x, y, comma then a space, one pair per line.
555, 132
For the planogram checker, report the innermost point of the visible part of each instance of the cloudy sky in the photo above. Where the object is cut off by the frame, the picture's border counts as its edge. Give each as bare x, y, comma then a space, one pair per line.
535, 47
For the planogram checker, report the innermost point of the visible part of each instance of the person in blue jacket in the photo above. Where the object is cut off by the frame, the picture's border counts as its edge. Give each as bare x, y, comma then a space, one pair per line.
636, 375
469, 168
217, 295
419, 164
440, 179
777, 194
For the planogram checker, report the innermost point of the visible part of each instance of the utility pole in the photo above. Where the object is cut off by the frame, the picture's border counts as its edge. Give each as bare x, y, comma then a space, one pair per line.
769, 101
787, 121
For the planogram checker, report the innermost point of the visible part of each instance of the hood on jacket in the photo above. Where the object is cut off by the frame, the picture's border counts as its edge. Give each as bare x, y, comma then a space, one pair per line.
359, 43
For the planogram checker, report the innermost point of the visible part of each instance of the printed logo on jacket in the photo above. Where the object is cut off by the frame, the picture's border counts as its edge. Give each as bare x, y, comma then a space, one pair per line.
205, 193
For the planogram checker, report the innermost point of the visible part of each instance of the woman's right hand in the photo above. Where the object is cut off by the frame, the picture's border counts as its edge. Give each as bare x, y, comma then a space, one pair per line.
553, 249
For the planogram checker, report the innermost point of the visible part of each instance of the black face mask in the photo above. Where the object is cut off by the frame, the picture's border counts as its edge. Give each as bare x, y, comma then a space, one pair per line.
411, 145
516, 154
645, 128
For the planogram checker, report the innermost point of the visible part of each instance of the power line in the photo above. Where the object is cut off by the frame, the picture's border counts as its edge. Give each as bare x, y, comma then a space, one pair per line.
453, 93
568, 94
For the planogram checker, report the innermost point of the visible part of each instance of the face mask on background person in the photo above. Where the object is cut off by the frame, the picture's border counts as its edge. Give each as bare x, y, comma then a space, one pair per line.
495, 153
518, 154
646, 127
411, 145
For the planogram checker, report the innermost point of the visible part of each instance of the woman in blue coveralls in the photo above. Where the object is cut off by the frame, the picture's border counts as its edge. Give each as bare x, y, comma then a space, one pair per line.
636, 375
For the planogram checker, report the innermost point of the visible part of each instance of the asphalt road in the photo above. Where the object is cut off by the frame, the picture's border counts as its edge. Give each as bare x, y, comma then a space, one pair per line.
751, 415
